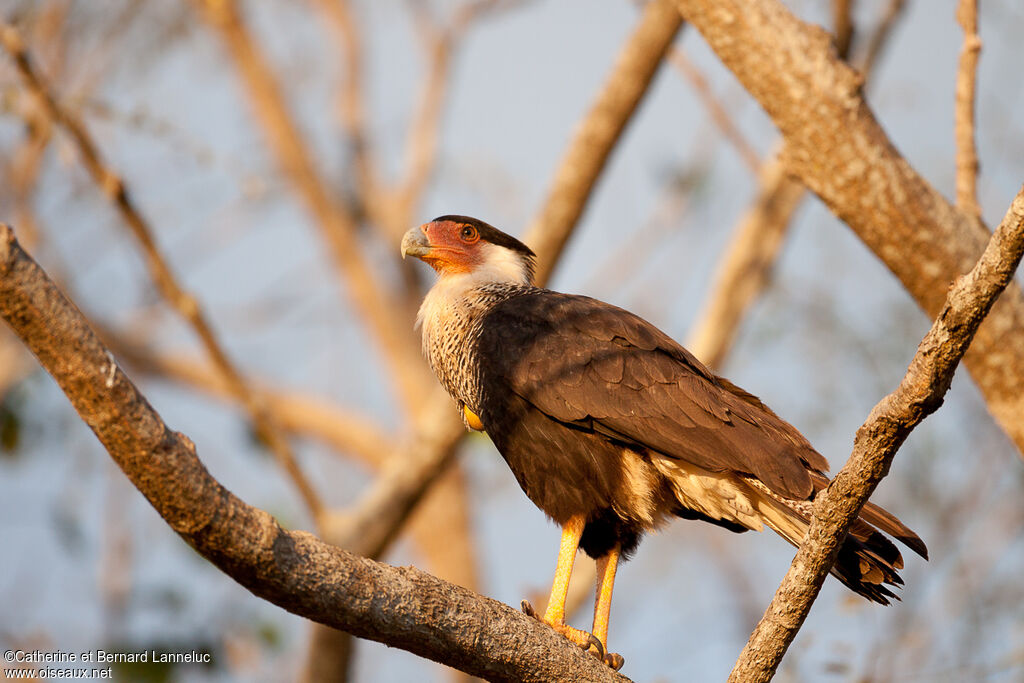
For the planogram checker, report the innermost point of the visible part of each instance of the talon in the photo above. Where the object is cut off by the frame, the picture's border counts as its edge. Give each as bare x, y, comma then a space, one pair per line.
614, 660
528, 609
596, 643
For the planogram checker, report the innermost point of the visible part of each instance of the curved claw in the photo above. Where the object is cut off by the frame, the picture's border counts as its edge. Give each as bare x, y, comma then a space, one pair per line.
528, 609
595, 642
614, 660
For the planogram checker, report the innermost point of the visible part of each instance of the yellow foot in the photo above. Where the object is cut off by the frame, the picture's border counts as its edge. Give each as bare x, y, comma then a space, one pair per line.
577, 636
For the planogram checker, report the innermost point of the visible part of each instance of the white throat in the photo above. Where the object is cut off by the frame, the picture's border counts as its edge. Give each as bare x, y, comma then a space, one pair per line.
455, 292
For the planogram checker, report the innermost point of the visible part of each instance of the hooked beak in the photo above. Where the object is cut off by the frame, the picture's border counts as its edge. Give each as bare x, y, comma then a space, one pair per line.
415, 243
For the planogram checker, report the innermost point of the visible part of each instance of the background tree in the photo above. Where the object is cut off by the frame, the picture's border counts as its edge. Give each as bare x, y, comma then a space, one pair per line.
266, 157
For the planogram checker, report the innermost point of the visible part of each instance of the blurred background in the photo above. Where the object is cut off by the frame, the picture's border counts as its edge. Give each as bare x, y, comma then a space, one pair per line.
468, 109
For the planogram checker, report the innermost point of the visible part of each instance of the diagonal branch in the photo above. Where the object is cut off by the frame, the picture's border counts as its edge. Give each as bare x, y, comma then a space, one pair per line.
919, 394
402, 607
600, 130
836, 147
297, 413
186, 305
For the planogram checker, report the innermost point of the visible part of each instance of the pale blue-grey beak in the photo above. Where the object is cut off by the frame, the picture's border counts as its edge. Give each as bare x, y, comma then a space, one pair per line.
415, 243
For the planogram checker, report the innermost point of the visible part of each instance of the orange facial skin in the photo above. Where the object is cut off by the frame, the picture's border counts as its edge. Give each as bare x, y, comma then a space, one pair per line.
452, 247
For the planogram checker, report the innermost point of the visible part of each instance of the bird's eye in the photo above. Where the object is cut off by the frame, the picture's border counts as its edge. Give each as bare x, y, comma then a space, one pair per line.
469, 234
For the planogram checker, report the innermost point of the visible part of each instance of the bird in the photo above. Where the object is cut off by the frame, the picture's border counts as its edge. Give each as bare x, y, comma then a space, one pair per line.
611, 427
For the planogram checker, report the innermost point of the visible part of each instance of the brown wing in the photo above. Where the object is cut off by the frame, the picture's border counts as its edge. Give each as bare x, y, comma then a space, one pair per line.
593, 366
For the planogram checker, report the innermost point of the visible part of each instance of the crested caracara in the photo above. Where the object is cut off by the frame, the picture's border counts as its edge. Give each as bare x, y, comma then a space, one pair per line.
611, 427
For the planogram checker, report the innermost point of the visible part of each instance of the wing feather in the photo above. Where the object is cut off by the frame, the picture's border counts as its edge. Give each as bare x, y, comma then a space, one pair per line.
598, 367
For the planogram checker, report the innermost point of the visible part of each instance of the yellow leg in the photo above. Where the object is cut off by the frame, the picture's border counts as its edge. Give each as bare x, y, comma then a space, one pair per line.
571, 533
606, 567
554, 615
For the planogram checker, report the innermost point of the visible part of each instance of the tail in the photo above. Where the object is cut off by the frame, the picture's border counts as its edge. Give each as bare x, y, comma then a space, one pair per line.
867, 561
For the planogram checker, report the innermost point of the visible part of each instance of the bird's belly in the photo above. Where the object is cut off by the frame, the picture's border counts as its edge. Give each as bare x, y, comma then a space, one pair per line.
567, 471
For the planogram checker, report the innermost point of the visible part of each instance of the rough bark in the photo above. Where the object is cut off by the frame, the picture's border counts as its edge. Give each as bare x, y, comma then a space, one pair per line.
400, 606
919, 394
836, 147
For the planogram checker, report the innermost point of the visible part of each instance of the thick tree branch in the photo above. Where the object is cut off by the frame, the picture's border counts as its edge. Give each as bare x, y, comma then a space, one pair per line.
402, 607
834, 145
600, 130
184, 303
919, 394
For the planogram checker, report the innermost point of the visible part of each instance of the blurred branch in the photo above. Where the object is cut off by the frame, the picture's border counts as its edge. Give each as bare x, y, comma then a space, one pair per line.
184, 303
351, 95
402, 607
597, 134
388, 317
845, 157
842, 22
881, 34
919, 394
966, 94
719, 114
297, 413
425, 127
745, 270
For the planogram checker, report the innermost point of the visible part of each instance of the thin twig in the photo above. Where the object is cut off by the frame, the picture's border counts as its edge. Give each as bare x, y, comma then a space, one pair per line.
600, 130
880, 37
351, 96
842, 21
719, 114
745, 269
184, 303
966, 94
919, 394
297, 413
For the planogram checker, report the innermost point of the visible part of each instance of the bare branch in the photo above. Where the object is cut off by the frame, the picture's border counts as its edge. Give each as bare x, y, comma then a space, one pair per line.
599, 131
715, 108
297, 413
966, 94
744, 271
402, 607
843, 155
184, 303
879, 38
842, 20
352, 100
387, 315
919, 394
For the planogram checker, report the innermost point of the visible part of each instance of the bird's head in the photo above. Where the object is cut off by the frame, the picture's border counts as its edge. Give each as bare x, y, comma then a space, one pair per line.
454, 245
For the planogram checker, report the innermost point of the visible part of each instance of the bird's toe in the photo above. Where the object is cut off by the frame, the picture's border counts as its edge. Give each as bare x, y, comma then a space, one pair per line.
614, 660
